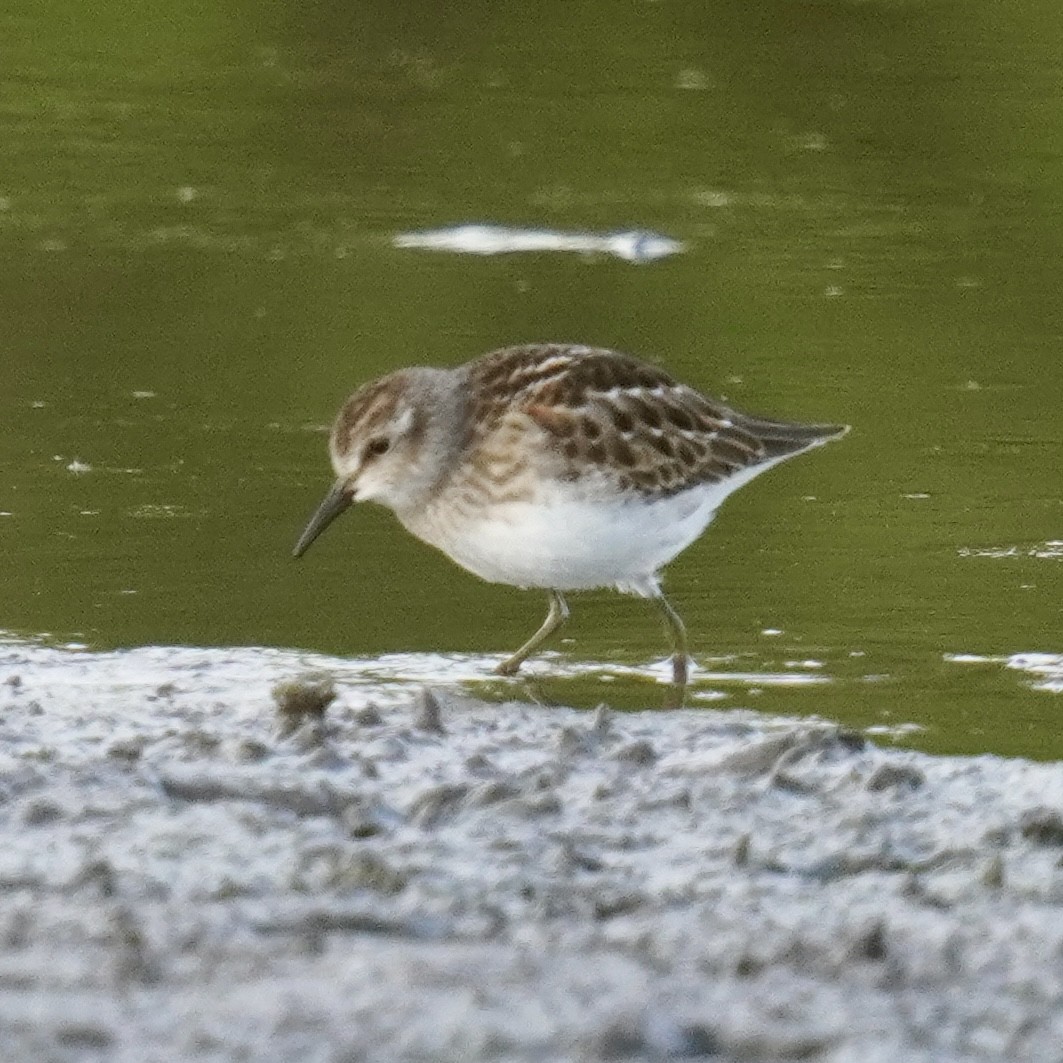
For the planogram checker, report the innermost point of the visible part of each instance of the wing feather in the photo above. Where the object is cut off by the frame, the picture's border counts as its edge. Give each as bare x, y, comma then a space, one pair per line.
610, 414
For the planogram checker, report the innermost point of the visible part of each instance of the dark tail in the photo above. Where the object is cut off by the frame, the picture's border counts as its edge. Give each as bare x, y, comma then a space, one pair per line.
782, 438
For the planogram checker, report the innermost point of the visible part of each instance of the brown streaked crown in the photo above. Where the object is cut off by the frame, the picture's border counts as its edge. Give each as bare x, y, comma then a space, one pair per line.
373, 405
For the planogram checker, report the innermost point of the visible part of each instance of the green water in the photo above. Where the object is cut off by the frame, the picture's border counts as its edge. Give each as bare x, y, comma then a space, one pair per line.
197, 209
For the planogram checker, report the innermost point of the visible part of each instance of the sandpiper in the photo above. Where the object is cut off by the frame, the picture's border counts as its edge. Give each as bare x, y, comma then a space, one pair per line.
557, 466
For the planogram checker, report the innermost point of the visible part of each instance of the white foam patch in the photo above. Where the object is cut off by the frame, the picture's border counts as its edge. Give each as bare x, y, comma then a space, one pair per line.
1050, 550
1045, 670
487, 239
971, 658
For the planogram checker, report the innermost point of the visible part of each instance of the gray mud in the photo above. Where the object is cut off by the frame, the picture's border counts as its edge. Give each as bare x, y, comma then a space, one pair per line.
189, 873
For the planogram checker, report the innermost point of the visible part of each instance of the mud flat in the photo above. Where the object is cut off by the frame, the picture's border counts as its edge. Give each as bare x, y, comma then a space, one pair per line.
187, 872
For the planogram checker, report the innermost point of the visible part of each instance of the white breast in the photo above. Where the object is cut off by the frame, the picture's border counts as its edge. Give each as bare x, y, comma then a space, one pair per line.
567, 539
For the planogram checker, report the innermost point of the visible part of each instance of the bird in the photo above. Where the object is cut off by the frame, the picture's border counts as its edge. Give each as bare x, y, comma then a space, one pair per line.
557, 466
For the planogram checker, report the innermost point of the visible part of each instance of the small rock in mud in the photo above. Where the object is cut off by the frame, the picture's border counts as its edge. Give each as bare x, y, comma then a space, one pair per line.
1042, 826
899, 777
638, 751
369, 716
83, 1035
428, 713
41, 810
304, 696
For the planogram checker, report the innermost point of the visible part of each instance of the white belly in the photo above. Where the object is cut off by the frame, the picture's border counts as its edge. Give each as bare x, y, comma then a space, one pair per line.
566, 541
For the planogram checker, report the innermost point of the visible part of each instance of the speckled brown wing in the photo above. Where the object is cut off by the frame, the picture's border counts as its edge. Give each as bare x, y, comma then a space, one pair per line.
608, 413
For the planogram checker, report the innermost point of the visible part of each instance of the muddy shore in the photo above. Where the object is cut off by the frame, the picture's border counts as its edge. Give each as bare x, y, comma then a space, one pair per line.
189, 873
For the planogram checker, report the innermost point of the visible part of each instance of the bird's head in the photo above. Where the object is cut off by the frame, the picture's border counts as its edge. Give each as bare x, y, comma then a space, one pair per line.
385, 447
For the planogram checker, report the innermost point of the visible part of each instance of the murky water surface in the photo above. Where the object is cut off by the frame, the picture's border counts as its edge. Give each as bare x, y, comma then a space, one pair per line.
200, 214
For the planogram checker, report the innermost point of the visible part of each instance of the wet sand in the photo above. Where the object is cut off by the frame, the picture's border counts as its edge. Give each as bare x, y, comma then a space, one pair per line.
189, 873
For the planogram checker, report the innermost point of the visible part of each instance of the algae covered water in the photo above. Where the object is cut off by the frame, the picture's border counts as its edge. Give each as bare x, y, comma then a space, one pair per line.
214, 225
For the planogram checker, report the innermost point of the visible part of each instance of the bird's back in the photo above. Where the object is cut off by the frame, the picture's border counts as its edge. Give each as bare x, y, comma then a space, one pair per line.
607, 413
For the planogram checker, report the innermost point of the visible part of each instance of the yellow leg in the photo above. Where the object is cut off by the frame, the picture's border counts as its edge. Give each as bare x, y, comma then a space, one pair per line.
680, 656
557, 615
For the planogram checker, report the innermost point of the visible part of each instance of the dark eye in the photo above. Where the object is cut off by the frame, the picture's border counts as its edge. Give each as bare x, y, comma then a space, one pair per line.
378, 446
